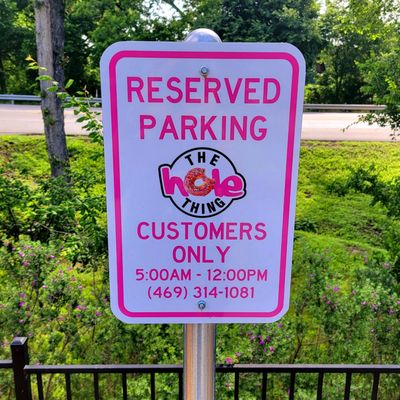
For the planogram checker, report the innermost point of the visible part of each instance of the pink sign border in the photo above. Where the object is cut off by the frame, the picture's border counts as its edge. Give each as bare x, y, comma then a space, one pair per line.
229, 55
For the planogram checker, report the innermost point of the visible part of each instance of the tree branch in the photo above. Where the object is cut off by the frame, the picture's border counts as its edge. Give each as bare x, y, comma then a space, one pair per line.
175, 7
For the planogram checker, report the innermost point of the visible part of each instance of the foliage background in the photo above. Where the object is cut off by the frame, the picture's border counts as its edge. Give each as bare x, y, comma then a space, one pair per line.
345, 285
351, 47
345, 302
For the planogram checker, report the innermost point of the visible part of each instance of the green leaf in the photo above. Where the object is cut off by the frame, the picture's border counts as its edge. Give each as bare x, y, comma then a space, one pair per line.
44, 78
69, 83
62, 95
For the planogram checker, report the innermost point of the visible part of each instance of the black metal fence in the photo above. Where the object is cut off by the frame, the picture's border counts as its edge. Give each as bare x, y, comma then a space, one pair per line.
23, 372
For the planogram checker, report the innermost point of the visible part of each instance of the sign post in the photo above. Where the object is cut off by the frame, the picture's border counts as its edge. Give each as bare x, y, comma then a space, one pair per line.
201, 147
199, 339
199, 362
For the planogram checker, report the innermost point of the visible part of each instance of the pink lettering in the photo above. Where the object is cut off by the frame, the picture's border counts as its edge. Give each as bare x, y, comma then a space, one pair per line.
178, 251
191, 90
169, 182
176, 89
151, 89
168, 127
275, 82
139, 231
188, 123
206, 127
137, 88
232, 186
214, 90
223, 252
261, 228
248, 90
233, 94
262, 132
146, 122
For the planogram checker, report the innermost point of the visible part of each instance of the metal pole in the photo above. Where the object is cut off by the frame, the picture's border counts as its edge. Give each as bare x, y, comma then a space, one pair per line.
199, 339
199, 362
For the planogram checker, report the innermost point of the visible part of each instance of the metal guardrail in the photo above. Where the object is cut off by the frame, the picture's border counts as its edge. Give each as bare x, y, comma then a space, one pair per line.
344, 107
12, 98
30, 98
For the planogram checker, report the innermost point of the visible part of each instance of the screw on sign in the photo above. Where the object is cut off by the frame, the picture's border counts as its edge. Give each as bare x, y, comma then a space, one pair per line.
202, 146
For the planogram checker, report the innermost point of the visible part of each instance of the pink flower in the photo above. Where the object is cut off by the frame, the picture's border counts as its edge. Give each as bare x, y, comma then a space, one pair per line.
336, 289
21, 304
98, 314
271, 349
228, 360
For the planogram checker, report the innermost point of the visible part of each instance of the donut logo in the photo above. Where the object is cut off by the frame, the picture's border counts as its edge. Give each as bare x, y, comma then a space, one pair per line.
201, 182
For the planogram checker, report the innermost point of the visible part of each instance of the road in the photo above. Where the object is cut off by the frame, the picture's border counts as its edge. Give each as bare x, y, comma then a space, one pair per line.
23, 119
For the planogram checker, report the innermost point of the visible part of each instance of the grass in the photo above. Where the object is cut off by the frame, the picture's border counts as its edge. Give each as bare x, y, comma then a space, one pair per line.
348, 227
350, 218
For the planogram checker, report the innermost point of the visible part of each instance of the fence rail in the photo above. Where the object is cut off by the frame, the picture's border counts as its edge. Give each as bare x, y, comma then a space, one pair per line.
30, 98
344, 107
23, 371
12, 98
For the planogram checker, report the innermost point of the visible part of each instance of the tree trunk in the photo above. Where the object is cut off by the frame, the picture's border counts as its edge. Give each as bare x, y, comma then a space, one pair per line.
49, 17
3, 82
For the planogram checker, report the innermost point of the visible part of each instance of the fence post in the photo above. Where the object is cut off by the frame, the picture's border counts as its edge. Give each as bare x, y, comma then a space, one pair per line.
20, 358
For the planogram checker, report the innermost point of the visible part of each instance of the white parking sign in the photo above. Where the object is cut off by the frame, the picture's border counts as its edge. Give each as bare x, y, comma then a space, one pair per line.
202, 146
